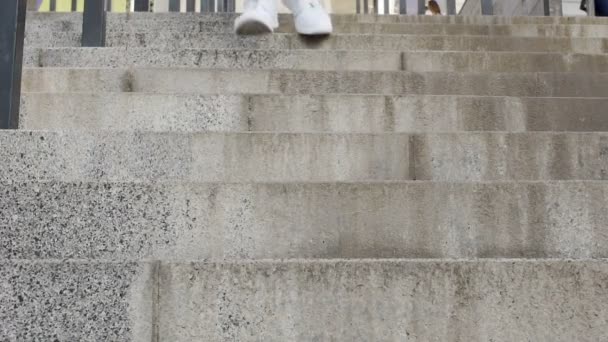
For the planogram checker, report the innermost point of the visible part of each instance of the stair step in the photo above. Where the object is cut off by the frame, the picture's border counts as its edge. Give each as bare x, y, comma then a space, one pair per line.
308, 113
358, 42
427, 61
216, 81
204, 40
196, 221
286, 157
302, 300
227, 26
75, 301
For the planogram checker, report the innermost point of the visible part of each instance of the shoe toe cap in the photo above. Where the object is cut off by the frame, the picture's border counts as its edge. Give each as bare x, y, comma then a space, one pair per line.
313, 21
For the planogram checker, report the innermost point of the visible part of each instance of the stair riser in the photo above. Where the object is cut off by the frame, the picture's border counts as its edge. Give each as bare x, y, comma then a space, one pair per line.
193, 221
76, 301
204, 157
184, 40
209, 81
359, 42
261, 157
304, 301
319, 60
227, 26
303, 113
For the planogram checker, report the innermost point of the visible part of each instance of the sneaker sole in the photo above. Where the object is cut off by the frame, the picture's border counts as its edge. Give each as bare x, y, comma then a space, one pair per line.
252, 27
320, 33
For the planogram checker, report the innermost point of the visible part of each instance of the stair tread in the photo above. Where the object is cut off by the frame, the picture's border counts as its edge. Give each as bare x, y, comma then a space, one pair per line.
368, 60
256, 81
180, 39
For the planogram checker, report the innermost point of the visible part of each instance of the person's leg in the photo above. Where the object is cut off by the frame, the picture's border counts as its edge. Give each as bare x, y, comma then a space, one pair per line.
260, 16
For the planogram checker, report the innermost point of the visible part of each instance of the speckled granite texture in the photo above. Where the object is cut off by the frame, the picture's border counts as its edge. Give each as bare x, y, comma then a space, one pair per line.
298, 300
309, 113
408, 178
75, 301
297, 82
194, 221
385, 301
416, 61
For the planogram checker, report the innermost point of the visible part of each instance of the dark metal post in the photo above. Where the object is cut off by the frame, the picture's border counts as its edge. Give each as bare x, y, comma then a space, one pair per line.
94, 23
74, 7
402, 7
141, 6
365, 6
375, 4
190, 6
451, 4
358, 5
487, 7
210, 6
52, 5
546, 8
421, 7
174, 5
108, 5
386, 10
12, 30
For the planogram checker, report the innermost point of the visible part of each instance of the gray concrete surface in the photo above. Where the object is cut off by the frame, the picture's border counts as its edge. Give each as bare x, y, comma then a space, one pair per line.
129, 221
201, 221
75, 301
226, 81
204, 25
310, 157
53, 34
417, 300
428, 61
385, 301
173, 39
207, 157
309, 113
241, 59
496, 156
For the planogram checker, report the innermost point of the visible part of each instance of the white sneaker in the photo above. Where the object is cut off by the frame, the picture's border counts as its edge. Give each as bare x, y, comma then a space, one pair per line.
310, 17
259, 16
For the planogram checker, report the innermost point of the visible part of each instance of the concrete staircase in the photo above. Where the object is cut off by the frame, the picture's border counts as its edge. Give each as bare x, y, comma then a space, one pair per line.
406, 179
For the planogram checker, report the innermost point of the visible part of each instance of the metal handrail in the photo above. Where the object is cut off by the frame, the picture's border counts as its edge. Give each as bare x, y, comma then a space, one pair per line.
12, 31
487, 7
173, 5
